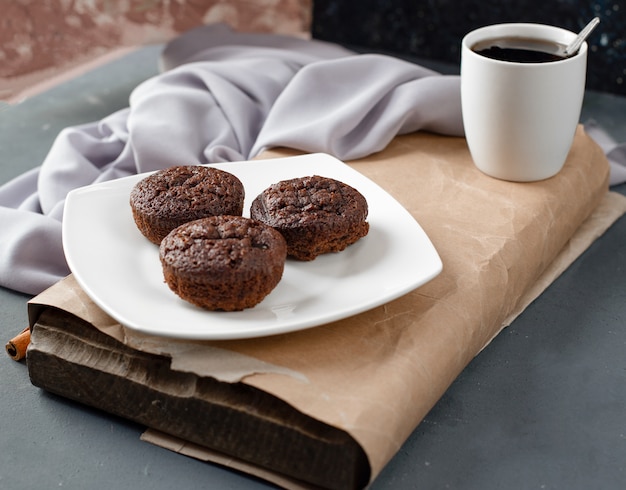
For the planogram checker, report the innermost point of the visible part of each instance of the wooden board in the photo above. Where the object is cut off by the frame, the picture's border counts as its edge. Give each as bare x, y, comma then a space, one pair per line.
69, 357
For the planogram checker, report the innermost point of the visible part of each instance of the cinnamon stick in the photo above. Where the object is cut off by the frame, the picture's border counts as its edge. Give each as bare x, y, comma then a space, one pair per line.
16, 347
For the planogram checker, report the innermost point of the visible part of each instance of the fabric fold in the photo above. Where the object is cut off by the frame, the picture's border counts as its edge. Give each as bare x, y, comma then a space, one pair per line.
615, 152
357, 105
31, 250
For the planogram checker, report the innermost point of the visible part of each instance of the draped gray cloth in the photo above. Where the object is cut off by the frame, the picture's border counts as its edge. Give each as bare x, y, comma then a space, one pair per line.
615, 152
221, 96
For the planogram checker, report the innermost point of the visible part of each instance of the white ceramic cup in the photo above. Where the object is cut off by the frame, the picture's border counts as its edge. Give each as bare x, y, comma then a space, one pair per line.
520, 118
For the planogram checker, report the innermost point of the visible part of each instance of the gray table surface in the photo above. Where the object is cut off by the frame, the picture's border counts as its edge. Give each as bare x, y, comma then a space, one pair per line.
542, 407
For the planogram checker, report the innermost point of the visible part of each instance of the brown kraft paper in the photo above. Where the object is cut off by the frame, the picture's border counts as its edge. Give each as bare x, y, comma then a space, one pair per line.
377, 374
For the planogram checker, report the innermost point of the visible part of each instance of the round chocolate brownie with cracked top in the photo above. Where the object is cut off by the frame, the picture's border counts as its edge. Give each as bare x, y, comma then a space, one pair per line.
223, 262
315, 214
168, 198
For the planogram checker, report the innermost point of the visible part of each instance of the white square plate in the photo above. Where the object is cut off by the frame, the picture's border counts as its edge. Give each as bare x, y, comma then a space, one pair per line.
120, 269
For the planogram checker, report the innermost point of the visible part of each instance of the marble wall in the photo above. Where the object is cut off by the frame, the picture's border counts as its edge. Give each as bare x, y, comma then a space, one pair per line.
40, 38
433, 29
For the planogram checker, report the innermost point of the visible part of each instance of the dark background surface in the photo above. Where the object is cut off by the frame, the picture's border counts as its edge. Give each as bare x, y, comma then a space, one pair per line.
433, 29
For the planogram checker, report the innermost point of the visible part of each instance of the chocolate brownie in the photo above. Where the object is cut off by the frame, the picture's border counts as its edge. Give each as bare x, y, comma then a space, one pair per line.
223, 262
315, 214
173, 196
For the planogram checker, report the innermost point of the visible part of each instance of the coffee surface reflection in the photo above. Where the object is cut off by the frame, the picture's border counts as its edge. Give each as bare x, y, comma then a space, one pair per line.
520, 50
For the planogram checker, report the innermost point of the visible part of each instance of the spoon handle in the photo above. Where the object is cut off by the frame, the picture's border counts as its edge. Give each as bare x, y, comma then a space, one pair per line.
580, 39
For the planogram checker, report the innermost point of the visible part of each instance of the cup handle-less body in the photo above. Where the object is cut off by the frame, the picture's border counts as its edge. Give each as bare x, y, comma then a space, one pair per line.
520, 118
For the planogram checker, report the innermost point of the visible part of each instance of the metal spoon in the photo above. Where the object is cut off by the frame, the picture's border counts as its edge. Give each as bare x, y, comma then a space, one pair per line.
575, 45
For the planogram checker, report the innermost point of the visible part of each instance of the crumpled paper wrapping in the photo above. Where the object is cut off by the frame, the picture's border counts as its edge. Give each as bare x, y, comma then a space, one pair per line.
377, 374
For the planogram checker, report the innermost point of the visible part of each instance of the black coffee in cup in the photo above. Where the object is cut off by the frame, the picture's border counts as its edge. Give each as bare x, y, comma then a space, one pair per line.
520, 50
